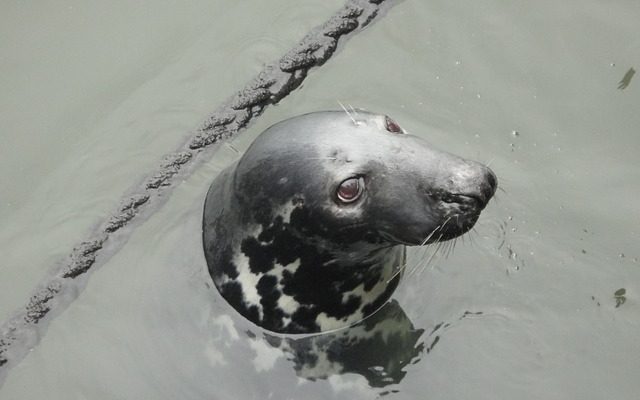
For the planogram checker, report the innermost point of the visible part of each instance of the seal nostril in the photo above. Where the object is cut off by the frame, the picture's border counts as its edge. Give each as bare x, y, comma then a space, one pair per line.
487, 187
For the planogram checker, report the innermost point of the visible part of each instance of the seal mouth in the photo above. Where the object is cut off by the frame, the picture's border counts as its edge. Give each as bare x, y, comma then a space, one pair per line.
462, 212
465, 200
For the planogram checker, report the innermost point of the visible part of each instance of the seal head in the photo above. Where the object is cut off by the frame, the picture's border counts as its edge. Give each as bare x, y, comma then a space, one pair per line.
307, 231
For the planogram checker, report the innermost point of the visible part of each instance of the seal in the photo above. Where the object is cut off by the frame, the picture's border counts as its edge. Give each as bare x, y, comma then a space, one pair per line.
306, 232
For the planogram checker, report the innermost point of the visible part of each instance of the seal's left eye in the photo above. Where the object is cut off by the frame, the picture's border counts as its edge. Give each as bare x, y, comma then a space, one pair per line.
350, 190
392, 126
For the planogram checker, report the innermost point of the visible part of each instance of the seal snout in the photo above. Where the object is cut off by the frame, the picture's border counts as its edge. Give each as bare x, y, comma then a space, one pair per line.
490, 184
472, 182
486, 187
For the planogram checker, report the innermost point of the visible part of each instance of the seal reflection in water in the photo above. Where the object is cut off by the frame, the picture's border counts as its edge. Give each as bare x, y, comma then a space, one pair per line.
307, 231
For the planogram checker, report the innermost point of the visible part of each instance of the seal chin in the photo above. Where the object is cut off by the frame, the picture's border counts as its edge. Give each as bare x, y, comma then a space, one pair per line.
451, 227
458, 226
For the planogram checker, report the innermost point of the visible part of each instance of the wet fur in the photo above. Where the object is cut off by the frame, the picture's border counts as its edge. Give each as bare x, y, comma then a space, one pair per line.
289, 257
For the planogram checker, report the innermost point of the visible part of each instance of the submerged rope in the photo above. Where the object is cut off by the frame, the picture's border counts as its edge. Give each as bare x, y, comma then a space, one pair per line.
21, 332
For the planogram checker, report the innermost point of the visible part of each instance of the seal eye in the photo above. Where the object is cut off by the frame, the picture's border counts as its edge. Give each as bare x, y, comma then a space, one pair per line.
350, 190
392, 126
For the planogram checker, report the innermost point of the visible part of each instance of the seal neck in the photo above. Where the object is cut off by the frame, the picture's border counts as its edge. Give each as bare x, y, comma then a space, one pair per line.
292, 284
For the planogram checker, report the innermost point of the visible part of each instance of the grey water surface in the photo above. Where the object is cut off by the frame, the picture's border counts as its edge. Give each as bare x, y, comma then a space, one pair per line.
541, 300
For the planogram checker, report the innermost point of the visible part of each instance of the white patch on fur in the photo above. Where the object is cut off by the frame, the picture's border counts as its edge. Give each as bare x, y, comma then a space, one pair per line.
248, 280
286, 303
278, 269
286, 211
329, 323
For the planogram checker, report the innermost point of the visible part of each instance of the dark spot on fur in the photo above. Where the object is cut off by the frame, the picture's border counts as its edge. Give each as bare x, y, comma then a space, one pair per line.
322, 287
318, 283
267, 289
304, 320
232, 291
260, 256
228, 267
377, 303
370, 281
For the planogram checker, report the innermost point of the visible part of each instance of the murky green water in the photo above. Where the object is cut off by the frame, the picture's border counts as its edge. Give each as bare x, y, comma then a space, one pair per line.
92, 97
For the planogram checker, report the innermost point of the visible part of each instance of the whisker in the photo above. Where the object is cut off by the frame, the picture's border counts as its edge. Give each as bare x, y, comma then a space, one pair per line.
471, 234
426, 264
446, 248
229, 145
353, 110
429, 236
402, 267
440, 246
449, 248
423, 259
429, 262
347, 111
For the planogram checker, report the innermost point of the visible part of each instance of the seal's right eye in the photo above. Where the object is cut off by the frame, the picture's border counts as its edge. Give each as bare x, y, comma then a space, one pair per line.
392, 126
350, 190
